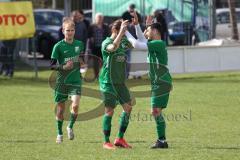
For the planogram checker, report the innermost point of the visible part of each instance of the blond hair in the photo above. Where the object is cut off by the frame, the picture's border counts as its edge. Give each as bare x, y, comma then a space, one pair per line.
68, 21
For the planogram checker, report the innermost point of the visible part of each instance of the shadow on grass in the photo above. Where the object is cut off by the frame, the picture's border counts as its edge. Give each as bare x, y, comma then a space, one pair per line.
137, 141
93, 142
27, 78
221, 78
96, 142
20, 80
207, 81
24, 141
223, 147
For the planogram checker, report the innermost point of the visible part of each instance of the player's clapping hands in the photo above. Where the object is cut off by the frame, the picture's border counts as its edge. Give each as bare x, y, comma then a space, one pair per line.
68, 65
149, 20
124, 26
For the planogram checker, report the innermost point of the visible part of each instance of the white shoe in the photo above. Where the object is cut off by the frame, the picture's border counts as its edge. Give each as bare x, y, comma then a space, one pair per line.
70, 133
59, 139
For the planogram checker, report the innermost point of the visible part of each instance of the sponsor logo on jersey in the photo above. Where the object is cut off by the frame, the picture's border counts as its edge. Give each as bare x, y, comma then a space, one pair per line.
74, 59
120, 58
123, 45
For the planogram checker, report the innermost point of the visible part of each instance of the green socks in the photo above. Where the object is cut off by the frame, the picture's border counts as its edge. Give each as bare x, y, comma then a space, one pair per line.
72, 120
124, 120
161, 125
59, 127
107, 127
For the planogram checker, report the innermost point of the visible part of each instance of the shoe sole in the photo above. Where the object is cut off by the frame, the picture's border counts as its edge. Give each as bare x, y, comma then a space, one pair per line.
121, 146
58, 142
159, 148
109, 148
162, 147
69, 137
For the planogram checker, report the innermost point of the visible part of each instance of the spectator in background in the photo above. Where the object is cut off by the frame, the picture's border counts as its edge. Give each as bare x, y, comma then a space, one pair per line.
159, 17
7, 57
97, 33
81, 26
128, 15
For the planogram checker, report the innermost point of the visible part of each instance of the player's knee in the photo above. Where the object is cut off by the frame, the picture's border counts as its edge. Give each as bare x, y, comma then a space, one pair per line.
156, 112
133, 102
60, 109
128, 109
75, 100
59, 115
109, 111
75, 109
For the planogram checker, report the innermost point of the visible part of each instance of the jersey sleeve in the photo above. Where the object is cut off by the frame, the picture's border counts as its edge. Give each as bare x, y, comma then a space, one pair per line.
55, 52
136, 43
104, 46
140, 34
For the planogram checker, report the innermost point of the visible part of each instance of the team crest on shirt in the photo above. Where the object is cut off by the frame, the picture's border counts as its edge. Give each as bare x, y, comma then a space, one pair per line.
77, 49
125, 46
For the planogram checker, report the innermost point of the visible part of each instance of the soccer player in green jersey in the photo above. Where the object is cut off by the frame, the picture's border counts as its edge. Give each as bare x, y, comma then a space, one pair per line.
161, 81
112, 83
65, 59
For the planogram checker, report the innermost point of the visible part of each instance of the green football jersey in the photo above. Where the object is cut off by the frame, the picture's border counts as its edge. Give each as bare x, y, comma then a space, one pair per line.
158, 60
63, 52
114, 64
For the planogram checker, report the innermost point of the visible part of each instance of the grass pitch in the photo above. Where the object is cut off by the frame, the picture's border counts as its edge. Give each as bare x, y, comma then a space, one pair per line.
202, 122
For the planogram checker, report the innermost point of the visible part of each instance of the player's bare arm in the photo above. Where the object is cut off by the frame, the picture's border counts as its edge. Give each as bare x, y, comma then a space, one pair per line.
149, 20
114, 46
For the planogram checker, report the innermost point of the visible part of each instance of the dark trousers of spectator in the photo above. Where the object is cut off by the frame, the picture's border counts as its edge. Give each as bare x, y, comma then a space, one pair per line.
7, 58
98, 61
165, 38
7, 68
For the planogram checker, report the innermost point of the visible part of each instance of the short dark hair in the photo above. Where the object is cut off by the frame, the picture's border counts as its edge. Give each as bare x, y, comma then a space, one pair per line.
81, 12
156, 26
132, 6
